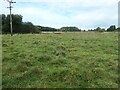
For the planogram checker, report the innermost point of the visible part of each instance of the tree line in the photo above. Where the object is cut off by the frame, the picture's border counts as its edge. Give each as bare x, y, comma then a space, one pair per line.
27, 27
18, 25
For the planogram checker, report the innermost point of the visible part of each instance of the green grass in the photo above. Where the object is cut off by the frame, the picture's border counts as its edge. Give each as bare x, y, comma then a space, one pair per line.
67, 60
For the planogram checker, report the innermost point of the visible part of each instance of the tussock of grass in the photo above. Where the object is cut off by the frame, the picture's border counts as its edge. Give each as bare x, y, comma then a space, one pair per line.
59, 62
44, 58
73, 60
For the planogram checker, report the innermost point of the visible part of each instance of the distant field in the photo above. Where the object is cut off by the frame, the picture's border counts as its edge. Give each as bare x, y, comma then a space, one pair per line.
67, 60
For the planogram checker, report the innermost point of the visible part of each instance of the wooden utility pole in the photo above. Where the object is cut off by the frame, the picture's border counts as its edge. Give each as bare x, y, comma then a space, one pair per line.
10, 7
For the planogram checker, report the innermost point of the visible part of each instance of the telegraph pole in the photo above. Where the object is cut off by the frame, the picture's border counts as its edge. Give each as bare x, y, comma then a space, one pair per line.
10, 7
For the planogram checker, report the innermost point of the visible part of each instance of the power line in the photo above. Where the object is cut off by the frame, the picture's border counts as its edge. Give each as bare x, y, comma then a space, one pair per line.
10, 8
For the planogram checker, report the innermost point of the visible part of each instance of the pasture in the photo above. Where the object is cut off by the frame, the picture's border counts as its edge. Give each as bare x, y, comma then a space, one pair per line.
66, 60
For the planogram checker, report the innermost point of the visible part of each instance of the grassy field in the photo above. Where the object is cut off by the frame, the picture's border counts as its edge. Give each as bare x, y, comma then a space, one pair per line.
67, 60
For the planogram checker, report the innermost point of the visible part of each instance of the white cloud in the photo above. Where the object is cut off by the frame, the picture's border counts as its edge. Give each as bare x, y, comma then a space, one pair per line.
81, 13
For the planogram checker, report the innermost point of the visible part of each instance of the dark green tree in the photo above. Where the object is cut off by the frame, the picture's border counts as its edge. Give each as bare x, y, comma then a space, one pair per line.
98, 29
111, 28
16, 22
3, 18
46, 29
70, 29
28, 27
2, 21
18, 25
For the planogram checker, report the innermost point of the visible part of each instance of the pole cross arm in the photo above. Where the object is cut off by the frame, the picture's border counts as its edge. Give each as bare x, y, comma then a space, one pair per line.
13, 2
10, 7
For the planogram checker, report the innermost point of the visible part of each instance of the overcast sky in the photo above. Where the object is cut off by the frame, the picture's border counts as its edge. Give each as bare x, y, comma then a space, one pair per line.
84, 14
